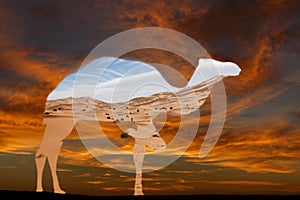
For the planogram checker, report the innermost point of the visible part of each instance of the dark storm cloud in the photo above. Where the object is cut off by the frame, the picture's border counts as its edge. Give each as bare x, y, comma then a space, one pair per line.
44, 41
249, 33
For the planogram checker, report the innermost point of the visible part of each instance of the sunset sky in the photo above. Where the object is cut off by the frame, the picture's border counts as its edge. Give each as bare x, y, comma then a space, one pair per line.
259, 149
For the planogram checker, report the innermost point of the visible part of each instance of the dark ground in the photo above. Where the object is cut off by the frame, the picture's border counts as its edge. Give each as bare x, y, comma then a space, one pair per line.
46, 195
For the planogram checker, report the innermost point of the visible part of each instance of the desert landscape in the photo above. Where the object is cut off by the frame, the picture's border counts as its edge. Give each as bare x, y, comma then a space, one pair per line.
135, 111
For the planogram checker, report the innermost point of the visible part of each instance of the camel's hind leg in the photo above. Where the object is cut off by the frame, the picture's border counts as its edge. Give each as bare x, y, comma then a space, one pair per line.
40, 160
57, 129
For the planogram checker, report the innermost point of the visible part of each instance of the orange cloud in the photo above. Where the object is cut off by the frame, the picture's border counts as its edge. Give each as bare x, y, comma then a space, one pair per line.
22, 63
255, 149
248, 183
26, 85
13, 140
255, 98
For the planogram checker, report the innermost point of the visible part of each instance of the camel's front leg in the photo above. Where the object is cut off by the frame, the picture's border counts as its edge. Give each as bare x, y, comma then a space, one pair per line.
52, 158
138, 158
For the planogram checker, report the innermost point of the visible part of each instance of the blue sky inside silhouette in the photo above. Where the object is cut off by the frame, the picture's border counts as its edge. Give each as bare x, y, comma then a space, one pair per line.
100, 78
115, 80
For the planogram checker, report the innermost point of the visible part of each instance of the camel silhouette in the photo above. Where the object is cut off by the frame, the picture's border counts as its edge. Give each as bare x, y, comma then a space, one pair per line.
58, 127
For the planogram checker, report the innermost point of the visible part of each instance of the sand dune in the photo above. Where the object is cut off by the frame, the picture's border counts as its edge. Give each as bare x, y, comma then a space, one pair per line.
135, 111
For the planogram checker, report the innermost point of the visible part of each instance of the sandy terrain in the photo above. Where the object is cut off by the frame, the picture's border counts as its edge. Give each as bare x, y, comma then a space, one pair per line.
136, 111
